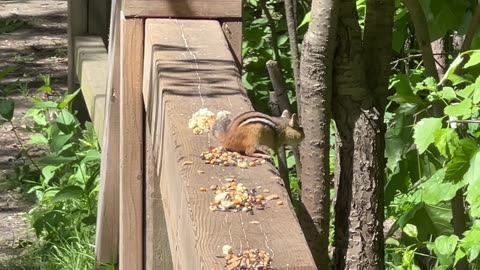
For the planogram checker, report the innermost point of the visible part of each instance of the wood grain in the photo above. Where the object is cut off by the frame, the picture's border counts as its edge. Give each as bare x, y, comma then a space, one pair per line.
106, 243
183, 8
232, 28
157, 248
192, 67
91, 62
131, 144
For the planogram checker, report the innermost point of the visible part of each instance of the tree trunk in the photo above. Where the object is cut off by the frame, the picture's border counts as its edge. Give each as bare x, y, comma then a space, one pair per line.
316, 83
359, 100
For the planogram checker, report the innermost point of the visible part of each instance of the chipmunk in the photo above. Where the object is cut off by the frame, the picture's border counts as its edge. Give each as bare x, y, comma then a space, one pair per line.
245, 132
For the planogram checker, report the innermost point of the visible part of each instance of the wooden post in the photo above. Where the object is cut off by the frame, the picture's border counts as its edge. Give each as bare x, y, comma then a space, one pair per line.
106, 246
131, 144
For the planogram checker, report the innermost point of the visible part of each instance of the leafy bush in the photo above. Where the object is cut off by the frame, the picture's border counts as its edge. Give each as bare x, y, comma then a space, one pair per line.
63, 180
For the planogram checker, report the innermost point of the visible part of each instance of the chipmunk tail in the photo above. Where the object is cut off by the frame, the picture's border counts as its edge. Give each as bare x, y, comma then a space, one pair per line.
222, 121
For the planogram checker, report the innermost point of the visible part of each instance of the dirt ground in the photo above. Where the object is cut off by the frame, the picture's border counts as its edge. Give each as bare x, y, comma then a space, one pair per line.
37, 47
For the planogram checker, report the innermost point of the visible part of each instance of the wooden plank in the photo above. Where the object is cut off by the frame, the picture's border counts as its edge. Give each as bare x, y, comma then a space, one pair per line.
192, 67
157, 252
106, 244
131, 144
232, 28
183, 8
91, 69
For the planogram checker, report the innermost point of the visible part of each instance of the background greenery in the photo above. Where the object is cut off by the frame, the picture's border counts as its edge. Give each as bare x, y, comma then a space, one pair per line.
429, 158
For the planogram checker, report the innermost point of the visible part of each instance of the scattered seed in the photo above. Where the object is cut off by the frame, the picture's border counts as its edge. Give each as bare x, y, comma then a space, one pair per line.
252, 259
279, 203
202, 189
272, 197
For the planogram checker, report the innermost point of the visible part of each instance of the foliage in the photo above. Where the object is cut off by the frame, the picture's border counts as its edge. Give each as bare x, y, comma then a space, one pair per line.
63, 180
430, 159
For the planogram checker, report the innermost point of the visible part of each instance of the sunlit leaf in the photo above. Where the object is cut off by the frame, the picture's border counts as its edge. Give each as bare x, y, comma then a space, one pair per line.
6, 108
424, 132
410, 230
462, 109
446, 141
69, 192
435, 190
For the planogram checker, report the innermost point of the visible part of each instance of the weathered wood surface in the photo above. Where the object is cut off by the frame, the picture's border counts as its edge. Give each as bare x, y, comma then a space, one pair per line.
183, 8
106, 244
232, 28
91, 69
157, 247
131, 144
192, 67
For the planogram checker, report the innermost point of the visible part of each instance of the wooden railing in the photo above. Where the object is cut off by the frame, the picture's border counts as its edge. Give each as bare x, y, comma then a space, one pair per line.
152, 213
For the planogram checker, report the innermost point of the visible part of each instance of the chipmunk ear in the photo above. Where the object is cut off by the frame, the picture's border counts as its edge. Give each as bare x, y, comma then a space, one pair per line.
293, 121
285, 114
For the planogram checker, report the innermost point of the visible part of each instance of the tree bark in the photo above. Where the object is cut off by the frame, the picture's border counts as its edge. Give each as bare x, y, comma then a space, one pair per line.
316, 84
292, 36
359, 102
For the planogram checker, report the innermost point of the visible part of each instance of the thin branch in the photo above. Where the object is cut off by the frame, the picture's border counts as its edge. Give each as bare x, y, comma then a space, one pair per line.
422, 35
292, 36
419, 55
281, 156
283, 102
472, 29
14, 129
471, 121
273, 29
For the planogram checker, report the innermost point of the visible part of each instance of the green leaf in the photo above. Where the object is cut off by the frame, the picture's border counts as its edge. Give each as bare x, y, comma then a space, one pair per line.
392, 242
305, 20
410, 230
444, 248
446, 245
460, 163
38, 139
446, 141
91, 155
458, 256
434, 190
69, 192
48, 172
474, 59
45, 105
67, 99
53, 159
59, 140
467, 91
424, 132
470, 243
6, 108
447, 93
65, 121
428, 219
450, 74
472, 176
462, 109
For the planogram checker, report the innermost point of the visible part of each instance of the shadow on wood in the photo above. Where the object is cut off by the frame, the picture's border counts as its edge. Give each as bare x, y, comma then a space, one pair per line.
188, 66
